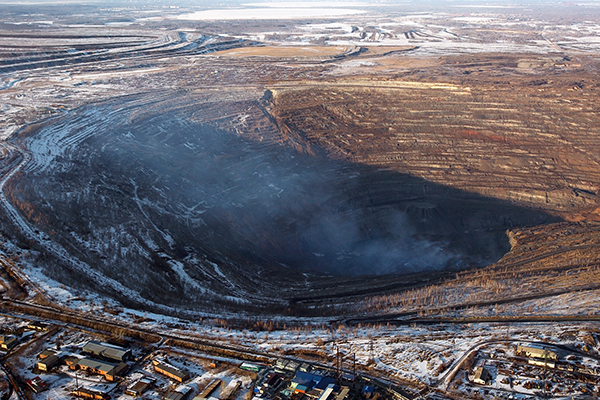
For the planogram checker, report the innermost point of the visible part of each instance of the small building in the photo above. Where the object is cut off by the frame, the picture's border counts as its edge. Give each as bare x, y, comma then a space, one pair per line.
7, 342
305, 367
482, 376
140, 387
170, 371
48, 363
37, 326
368, 391
107, 351
283, 366
292, 366
246, 366
180, 393
279, 365
37, 385
535, 351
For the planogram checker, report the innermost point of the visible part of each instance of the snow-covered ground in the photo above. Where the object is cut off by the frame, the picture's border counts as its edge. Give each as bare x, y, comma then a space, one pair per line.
420, 353
425, 354
268, 13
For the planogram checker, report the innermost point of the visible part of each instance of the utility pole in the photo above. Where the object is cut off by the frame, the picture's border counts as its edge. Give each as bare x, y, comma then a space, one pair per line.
353, 370
339, 366
337, 359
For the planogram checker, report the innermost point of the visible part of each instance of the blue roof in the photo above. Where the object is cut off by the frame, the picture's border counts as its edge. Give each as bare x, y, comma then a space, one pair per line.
368, 390
325, 381
306, 379
301, 388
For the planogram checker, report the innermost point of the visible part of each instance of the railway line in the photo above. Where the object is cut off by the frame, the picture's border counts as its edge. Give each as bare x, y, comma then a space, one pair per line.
73, 319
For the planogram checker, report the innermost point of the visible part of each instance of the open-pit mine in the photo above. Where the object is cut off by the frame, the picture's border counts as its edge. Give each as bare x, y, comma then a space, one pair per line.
369, 162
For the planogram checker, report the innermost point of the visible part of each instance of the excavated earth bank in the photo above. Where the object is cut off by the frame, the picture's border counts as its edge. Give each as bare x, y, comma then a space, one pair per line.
194, 200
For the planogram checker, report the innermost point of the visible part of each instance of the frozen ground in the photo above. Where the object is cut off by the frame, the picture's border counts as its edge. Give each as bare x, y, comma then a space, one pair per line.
419, 353
268, 13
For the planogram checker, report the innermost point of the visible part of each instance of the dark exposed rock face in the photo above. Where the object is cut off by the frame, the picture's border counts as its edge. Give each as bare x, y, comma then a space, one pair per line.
181, 210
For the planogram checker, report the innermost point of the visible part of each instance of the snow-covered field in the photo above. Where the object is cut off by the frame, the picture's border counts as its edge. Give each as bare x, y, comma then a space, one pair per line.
417, 353
268, 13
429, 354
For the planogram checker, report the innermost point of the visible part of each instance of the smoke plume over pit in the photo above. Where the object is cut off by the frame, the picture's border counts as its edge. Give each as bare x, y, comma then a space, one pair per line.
160, 200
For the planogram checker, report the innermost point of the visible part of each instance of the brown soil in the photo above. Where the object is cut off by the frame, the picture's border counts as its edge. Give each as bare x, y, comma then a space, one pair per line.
284, 51
531, 140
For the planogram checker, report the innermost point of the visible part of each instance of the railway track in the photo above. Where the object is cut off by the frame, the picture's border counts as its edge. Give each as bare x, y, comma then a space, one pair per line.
70, 318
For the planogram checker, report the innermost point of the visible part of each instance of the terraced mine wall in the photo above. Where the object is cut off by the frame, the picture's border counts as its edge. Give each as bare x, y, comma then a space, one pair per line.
214, 203
530, 143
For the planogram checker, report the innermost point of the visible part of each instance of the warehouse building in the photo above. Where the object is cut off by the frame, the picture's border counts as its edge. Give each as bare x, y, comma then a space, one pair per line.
90, 394
48, 363
140, 387
110, 371
107, 351
482, 376
539, 352
181, 393
170, 371
7, 342
38, 326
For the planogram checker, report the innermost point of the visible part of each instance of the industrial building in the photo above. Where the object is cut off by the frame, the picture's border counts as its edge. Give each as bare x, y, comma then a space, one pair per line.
540, 352
180, 393
482, 376
72, 361
7, 342
90, 394
139, 387
304, 382
107, 351
283, 365
110, 371
47, 363
541, 363
37, 385
38, 326
170, 371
